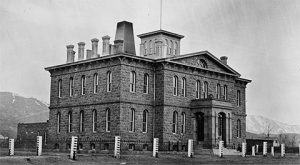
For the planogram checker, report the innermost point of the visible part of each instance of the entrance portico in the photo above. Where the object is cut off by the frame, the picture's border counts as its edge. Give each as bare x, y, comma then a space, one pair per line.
212, 121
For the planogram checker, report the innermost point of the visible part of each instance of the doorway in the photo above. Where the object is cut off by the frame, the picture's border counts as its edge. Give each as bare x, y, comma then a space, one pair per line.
200, 126
222, 126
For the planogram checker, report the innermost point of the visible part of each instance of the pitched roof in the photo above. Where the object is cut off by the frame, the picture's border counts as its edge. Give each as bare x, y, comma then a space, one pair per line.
160, 32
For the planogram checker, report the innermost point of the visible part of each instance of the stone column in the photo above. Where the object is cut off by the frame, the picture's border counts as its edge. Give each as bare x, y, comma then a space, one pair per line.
230, 129
227, 130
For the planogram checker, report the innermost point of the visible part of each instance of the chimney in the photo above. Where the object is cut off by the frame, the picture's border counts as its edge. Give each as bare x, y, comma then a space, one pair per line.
125, 33
88, 54
224, 59
81, 51
70, 53
94, 47
119, 46
105, 48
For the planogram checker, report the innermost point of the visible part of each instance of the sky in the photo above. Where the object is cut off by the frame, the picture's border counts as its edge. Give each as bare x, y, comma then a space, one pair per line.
261, 39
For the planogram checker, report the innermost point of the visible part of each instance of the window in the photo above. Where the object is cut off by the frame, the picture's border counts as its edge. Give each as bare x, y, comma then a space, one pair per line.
167, 47
175, 122
58, 122
175, 85
225, 92
150, 47
171, 47
146, 83
59, 88
218, 91
238, 128
145, 46
107, 121
83, 85
95, 84
81, 121
238, 98
109, 81
132, 81
145, 119
70, 120
198, 89
205, 90
71, 86
183, 122
94, 117
132, 123
183, 87
175, 48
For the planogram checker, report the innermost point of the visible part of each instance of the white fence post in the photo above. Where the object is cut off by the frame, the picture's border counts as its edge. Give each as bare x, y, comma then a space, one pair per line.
117, 147
272, 151
256, 148
265, 149
282, 150
190, 148
73, 147
221, 149
243, 149
39, 142
155, 147
253, 150
11, 145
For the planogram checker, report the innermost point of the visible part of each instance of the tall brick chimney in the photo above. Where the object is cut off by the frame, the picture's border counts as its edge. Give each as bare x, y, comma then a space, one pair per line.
70, 53
81, 51
125, 32
224, 59
105, 48
94, 47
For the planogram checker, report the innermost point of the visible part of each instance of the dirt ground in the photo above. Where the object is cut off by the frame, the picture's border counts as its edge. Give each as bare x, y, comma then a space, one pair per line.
63, 159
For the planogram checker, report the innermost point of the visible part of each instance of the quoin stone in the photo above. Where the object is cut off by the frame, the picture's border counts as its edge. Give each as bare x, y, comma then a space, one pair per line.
73, 150
117, 147
39, 143
265, 148
11, 147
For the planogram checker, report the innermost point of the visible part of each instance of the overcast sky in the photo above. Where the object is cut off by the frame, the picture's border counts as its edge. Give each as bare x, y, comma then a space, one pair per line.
260, 37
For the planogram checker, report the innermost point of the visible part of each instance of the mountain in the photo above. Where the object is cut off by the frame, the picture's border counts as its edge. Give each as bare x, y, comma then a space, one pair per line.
260, 124
16, 109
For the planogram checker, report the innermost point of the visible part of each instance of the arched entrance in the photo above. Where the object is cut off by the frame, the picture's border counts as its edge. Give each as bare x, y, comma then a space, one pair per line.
222, 126
200, 126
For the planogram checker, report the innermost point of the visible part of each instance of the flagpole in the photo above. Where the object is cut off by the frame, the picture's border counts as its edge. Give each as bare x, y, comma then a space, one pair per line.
160, 14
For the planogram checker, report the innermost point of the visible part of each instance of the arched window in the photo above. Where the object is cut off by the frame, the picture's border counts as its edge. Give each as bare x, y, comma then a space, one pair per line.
132, 122
171, 47
175, 85
108, 81
71, 86
150, 47
176, 48
132, 81
238, 98
145, 48
145, 120
83, 85
167, 46
58, 122
205, 90
175, 122
198, 89
225, 92
70, 120
183, 122
238, 128
94, 118
183, 87
146, 83
107, 120
95, 83
81, 121
218, 91
59, 88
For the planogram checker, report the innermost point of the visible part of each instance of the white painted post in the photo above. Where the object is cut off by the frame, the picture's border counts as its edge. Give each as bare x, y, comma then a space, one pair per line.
155, 147
190, 148
282, 150
243, 149
256, 148
11, 146
117, 147
39, 140
221, 149
272, 151
73, 147
253, 150
265, 149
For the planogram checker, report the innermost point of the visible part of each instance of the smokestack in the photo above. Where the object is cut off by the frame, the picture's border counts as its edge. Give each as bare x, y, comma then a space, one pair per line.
224, 59
81, 51
70, 53
94, 47
105, 48
125, 33
88, 54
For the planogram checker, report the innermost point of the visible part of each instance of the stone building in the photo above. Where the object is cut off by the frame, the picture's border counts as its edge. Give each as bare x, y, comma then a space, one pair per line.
159, 93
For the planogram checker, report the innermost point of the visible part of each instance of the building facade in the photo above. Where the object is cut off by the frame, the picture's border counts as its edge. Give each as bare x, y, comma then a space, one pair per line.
157, 94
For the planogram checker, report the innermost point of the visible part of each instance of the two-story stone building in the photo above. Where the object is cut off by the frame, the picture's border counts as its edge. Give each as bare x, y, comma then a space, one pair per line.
159, 93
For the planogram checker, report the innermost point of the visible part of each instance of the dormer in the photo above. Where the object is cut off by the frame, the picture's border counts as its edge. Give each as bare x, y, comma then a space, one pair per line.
160, 44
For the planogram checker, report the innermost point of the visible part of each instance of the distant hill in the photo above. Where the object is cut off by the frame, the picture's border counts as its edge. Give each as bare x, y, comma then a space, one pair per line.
16, 109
